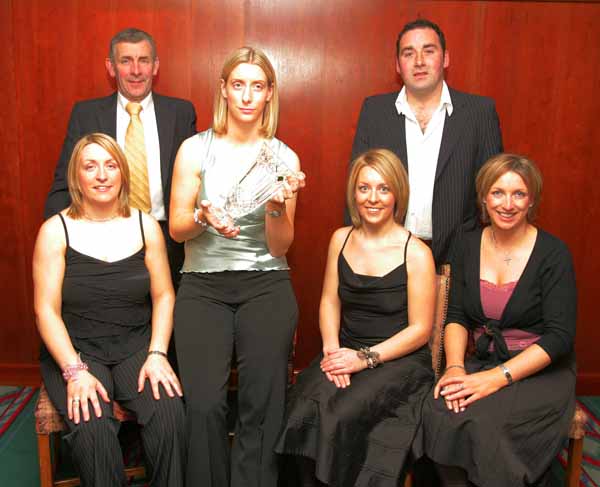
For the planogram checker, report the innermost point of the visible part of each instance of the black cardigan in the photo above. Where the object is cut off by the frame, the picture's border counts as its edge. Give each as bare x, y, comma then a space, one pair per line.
543, 302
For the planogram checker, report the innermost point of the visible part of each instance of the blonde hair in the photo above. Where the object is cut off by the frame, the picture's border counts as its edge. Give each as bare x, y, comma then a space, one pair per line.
110, 145
391, 169
496, 167
270, 116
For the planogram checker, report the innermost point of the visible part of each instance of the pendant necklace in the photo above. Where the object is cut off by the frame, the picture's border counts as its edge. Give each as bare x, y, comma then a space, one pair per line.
507, 257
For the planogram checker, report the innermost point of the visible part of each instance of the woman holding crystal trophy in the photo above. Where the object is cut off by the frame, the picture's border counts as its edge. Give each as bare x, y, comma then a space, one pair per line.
233, 203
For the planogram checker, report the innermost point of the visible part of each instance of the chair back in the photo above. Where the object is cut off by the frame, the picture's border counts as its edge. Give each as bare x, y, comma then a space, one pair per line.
436, 340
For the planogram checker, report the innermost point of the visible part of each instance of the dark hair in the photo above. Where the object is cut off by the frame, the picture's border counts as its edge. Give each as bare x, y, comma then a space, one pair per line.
132, 35
421, 24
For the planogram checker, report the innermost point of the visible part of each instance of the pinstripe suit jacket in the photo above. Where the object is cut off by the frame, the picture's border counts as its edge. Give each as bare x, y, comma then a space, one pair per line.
470, 137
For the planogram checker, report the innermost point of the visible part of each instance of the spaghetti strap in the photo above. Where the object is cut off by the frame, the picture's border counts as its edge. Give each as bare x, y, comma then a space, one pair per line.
347, 237
142, 229
65, 227
406, 245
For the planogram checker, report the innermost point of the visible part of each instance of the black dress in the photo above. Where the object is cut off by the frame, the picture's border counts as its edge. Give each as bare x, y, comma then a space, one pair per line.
510, 437
361, 435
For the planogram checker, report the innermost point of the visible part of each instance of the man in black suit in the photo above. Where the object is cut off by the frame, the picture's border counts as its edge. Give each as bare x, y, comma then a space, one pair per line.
441, 135
166, 121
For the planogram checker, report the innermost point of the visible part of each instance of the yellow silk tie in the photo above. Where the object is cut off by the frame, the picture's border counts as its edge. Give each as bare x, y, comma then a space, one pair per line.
135, 150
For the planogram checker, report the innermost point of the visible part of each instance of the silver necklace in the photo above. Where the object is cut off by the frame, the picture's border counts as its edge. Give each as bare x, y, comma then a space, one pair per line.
507, 257
100, 220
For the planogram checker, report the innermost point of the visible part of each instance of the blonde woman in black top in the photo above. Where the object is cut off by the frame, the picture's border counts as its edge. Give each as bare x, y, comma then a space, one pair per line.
104, 307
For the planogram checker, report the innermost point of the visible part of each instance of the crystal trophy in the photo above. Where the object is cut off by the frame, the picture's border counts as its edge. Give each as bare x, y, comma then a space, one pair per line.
260, 182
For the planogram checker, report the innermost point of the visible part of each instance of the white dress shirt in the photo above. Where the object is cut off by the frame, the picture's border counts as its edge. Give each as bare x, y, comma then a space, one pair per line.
422, 150
148, 118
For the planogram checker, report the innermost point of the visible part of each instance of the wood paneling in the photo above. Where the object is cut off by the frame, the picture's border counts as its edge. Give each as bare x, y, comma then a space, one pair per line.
540, 61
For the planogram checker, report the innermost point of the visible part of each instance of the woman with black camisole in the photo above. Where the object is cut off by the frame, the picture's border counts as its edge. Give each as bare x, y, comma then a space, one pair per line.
353, 413
104, 307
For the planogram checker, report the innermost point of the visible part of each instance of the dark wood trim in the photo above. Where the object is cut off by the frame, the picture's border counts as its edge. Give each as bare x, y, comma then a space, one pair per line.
20, 375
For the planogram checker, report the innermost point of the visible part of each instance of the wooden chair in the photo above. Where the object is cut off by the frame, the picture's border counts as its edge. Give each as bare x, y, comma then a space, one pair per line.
436, 343
49, 422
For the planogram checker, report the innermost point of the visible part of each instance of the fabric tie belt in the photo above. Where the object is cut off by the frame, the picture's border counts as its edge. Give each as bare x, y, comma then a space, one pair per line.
491, 338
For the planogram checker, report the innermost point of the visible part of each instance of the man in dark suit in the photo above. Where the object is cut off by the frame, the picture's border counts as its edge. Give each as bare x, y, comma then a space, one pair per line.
441, 135
166, 121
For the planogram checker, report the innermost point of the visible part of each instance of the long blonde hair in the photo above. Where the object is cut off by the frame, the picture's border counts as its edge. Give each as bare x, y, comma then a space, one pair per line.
249, 55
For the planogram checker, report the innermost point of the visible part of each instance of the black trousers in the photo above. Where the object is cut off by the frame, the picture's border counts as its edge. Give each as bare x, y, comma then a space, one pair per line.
255, 313
94, 444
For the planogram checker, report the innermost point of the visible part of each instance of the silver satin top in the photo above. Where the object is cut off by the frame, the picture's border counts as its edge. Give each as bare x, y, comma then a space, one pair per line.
210, 251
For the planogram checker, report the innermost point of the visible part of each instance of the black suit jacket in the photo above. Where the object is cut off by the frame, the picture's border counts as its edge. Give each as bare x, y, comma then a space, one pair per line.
175, 120
471, 136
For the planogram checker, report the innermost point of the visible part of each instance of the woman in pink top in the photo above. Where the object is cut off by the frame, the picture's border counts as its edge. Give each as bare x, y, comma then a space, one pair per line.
498, 417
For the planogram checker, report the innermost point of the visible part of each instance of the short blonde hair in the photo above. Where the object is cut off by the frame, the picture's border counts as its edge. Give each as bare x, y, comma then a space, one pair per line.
270, 116
496, 167
391, 169
110, 145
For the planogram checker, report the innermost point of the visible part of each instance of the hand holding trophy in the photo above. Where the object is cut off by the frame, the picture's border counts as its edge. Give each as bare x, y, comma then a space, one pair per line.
267, 178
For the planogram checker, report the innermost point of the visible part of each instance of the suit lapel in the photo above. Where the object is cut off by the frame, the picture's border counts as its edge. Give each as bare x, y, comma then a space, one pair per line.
453, 127
397, 133
107, 116
401, 138
165, 122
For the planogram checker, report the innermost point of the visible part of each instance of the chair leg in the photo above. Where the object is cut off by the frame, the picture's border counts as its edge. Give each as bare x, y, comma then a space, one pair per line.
45, 460
574, 462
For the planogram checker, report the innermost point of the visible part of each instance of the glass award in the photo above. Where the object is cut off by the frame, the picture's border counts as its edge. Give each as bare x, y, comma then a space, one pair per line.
260, 182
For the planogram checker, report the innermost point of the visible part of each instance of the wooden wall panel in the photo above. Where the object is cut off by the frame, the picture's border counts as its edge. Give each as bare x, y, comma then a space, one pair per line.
16, 331
540, 61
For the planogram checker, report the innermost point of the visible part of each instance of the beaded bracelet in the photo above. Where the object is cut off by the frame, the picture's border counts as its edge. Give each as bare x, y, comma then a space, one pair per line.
372, 357
71, 371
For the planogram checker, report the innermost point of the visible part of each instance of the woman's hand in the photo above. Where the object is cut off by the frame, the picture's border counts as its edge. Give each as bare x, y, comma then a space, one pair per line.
467, 389
455, 405
340, 363
340, 380
85, 387
225, 228
289, 188
157, 370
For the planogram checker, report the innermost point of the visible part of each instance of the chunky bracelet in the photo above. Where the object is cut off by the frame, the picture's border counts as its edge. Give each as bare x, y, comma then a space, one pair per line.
454, 366
372, 357
157, 352
71, 371
506, 371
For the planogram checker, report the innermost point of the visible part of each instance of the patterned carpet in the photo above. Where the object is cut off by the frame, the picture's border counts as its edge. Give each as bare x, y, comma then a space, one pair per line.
19, 459
590, 475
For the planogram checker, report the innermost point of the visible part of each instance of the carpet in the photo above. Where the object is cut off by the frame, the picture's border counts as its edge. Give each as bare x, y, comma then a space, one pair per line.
19, 460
